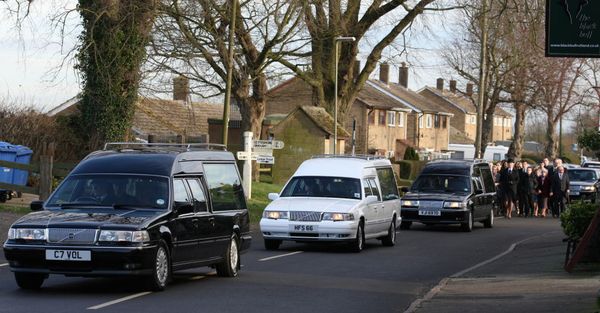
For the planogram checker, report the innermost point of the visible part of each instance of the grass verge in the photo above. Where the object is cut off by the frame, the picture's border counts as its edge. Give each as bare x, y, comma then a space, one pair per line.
259, 200
14, 208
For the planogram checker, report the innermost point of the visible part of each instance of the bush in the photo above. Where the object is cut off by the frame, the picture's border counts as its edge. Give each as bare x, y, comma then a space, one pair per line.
411, 154
576, 219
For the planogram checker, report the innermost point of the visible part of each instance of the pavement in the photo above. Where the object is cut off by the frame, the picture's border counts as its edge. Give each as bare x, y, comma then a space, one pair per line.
528, 279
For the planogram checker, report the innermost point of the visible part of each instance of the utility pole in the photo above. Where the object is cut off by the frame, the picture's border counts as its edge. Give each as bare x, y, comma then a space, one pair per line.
482, 82
227, 102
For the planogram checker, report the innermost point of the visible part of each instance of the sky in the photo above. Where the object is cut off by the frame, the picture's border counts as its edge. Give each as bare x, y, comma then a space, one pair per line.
37, 59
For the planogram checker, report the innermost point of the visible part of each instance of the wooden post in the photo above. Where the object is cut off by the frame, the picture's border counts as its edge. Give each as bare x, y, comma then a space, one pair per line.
151, 138
46, 178
180, 139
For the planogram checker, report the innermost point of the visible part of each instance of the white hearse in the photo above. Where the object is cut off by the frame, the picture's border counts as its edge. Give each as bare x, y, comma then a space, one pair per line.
335, 198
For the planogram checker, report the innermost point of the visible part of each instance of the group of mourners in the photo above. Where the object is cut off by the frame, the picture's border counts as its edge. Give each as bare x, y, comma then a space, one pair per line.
531, 190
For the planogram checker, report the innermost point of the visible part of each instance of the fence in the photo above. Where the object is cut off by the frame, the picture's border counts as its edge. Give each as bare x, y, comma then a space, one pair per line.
47, 170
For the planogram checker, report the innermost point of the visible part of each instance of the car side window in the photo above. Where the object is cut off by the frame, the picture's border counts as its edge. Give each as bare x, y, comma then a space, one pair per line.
389, 190
179, 192
367, 188
374, 187
487, 179
224, 187
198, 195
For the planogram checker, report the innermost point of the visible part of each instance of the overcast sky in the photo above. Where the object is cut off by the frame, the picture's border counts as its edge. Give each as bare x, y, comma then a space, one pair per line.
34, 73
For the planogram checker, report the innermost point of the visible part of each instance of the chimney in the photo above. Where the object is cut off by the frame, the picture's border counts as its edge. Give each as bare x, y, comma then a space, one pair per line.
403, 75
469, 89
181, 88
439, 84
453, 85
356, 69
384, 73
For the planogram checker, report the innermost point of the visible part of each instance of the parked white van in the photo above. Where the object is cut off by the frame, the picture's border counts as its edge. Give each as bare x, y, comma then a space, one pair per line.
335, 198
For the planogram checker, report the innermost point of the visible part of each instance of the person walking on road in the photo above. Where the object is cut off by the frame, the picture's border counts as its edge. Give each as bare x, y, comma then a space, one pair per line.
543, 192
509, 179
524, 190
559, 190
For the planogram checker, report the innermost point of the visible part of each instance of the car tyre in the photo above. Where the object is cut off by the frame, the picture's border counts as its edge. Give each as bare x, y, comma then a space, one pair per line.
30, 281
358, 244
390, 239
468, 226
231, 263
489, 222
161, 270
405, 225
272, 244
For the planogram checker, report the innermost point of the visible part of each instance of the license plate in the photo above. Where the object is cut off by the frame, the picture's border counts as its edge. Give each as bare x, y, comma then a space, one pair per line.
68, 255
430, 213
304, 228
574, 193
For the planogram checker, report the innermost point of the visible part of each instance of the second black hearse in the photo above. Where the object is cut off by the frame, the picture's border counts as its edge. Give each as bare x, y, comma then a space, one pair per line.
451, 192
136, 209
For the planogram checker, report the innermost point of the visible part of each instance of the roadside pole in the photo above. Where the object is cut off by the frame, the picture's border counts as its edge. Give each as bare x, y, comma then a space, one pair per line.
247, 176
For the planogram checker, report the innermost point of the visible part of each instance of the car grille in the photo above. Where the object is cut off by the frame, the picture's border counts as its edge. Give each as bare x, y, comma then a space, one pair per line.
431, 204
304, 216
71, 235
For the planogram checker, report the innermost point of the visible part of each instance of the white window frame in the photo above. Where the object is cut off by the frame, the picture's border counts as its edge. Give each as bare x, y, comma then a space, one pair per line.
429, 121
391, 118
507, 122
421, 121
400, 119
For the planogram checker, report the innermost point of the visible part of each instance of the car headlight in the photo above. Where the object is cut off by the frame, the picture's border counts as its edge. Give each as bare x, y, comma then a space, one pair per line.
336, 217
28, 233
410, 203
588, 188
276, 215
454, 204
124, 236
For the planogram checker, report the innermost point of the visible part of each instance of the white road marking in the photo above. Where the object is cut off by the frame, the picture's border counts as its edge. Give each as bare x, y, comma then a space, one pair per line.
3, 264
415, 304
103, 305
279, 256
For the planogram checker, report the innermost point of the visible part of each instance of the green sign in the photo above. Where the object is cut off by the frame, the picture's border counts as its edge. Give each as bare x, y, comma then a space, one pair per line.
573, 28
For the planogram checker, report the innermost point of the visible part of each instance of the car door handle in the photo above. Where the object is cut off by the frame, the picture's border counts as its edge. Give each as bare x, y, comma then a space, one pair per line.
211, 220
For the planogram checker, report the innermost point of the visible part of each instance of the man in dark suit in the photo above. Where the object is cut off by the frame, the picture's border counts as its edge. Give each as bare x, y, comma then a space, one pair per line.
559, 191
510, 179
524, 190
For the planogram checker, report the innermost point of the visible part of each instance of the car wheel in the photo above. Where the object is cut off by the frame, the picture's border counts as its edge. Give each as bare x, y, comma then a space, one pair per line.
489, 222
468, 226
390, 239
161, 271
359, 242
405, 225
272, 244
231, 263
30, 281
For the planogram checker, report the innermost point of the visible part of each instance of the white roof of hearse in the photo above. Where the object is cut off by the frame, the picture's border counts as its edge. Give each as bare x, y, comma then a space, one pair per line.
341, 166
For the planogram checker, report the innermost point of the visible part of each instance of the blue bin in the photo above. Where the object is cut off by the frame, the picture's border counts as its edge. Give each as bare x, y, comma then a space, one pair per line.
7, 153
23, 156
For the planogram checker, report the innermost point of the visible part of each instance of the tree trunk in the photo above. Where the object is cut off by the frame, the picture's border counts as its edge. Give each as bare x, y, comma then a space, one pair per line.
552, 143
253, 110
516, 146
488, 127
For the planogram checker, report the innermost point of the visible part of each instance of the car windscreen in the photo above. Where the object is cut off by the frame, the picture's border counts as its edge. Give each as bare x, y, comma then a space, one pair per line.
135, 191
323, 187
582, 175
442, 183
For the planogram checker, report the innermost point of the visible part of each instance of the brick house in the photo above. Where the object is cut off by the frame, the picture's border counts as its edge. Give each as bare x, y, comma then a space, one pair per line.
389, 116
462, 105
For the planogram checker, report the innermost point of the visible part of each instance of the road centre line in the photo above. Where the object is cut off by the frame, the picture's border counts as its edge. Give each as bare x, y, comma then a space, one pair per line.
133, 296
279, 256
3, 264
417, 303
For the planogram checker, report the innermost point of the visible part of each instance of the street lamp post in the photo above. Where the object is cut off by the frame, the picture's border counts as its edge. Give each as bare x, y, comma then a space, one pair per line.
230, 53
335, 104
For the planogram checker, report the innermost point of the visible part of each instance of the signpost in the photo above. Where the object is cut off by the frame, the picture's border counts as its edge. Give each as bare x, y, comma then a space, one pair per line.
260, 151
573, 28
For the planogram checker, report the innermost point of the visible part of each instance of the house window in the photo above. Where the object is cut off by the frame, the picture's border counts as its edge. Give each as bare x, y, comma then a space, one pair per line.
444, 121
401, 119
436, 121
472, 119
391, 118
372, 117
507, 122
428, 121
421, 121
496, 122
381, 117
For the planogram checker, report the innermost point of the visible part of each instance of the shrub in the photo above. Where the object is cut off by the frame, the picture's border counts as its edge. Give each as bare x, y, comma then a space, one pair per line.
576, 219
411, 154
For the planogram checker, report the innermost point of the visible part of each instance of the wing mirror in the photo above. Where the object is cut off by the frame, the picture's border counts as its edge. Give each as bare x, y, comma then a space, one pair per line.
273, 196
404, 189
183, 207
371, 199
36, 205
478, 191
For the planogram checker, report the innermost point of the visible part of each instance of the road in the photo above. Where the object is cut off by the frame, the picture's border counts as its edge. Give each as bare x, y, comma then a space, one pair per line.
297, 278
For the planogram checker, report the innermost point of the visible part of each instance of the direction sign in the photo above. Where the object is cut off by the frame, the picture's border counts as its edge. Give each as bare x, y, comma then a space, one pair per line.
244, 156
265, 159
268, 144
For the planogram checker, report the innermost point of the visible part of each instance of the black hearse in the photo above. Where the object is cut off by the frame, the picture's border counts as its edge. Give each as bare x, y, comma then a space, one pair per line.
451, 192
136, 209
